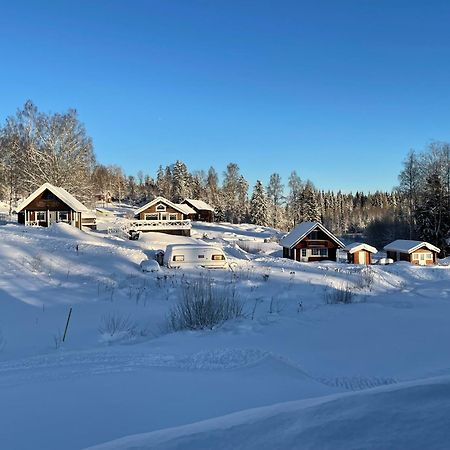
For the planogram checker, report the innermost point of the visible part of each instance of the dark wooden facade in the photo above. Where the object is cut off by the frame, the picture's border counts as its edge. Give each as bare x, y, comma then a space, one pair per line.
46, 209
316, 246
162, 216
156, 212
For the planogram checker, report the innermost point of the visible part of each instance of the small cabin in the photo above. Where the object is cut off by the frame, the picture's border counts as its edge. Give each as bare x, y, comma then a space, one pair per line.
163, 216
414, 252
310, 241
50, 204
359, 253
203, 211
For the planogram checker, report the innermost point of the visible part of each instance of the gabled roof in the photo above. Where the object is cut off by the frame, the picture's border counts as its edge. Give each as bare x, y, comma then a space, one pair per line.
302, 230
187, 209
199, 205
184, 209
407, 246
59, 192
357, 246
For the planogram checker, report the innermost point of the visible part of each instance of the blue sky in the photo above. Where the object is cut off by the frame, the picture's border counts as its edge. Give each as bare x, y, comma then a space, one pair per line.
338, 91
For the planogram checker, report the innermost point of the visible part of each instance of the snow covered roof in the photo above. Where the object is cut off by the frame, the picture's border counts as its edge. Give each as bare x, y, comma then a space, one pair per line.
407, 246
357, 246
187, 209
302, 230
59, 192
181, 208
199, 204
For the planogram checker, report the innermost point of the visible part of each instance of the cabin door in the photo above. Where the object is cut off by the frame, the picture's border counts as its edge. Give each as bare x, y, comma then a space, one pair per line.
52, 217
362, 257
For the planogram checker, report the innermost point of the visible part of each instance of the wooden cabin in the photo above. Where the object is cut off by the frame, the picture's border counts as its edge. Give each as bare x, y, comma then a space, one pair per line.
163, 216
310, 241
50, 204
415, 252
203, 211
359, 253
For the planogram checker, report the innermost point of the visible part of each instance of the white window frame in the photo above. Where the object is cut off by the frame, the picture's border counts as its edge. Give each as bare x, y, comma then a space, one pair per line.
58, 216
44, 215
160, 207
147, 216
173, 216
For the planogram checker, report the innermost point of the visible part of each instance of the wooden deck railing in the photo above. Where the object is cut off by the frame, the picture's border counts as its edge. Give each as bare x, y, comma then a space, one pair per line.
160, 225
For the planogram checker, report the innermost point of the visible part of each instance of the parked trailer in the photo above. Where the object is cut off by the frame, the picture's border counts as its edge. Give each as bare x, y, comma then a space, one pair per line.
195, 255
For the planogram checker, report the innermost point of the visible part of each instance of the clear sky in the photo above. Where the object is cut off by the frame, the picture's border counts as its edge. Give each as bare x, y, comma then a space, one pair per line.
337, 90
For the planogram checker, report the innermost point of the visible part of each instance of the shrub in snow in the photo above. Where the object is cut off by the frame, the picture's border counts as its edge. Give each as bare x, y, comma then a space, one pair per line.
365, 278
149, 265
116, 326
339, 294
202, 306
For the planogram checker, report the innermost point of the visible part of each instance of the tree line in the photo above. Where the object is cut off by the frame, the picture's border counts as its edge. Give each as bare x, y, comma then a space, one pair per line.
36, 147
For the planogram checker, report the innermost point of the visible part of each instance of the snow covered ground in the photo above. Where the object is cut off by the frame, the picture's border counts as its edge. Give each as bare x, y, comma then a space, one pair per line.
295, 370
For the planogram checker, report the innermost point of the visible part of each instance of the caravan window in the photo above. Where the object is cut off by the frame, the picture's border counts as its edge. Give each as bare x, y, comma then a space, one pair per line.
217, 257
201, 256
178, 258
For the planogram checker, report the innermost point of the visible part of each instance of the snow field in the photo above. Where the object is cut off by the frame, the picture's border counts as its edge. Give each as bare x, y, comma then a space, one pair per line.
290, 345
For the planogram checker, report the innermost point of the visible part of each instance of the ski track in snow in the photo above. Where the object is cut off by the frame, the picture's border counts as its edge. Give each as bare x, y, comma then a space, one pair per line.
80, 364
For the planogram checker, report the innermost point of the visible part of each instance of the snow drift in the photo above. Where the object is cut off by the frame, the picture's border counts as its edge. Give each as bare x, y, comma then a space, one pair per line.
411, 415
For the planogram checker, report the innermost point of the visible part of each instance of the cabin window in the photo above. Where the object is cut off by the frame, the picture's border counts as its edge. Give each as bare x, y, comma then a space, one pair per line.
217, 257
178, 258
164, 216
304, 252
314, 235
172, 217
323, 252
63, 216
315, 251
422, 256
40, 216
201, 256
160, 207
415, 256
152, 216
429, 256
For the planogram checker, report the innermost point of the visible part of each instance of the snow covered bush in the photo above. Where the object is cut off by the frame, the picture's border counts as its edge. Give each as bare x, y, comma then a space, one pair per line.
115, 326
366, 278
203, 306
339, 294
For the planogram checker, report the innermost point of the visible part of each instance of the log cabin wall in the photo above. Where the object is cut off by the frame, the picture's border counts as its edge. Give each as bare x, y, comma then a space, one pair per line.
169, 210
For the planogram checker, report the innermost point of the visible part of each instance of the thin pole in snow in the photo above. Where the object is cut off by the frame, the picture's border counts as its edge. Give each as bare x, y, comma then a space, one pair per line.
67, 324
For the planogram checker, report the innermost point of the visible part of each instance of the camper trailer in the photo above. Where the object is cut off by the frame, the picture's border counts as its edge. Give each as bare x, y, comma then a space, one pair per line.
195, 255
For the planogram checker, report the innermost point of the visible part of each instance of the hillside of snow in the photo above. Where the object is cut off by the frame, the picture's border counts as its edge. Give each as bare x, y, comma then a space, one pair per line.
341, 364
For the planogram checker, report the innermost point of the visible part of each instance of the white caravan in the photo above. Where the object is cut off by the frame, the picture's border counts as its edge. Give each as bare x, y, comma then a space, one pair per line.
195, 255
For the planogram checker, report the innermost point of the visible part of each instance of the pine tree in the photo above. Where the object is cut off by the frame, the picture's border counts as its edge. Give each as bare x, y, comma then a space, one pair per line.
275, 196
259, 205
310, 206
